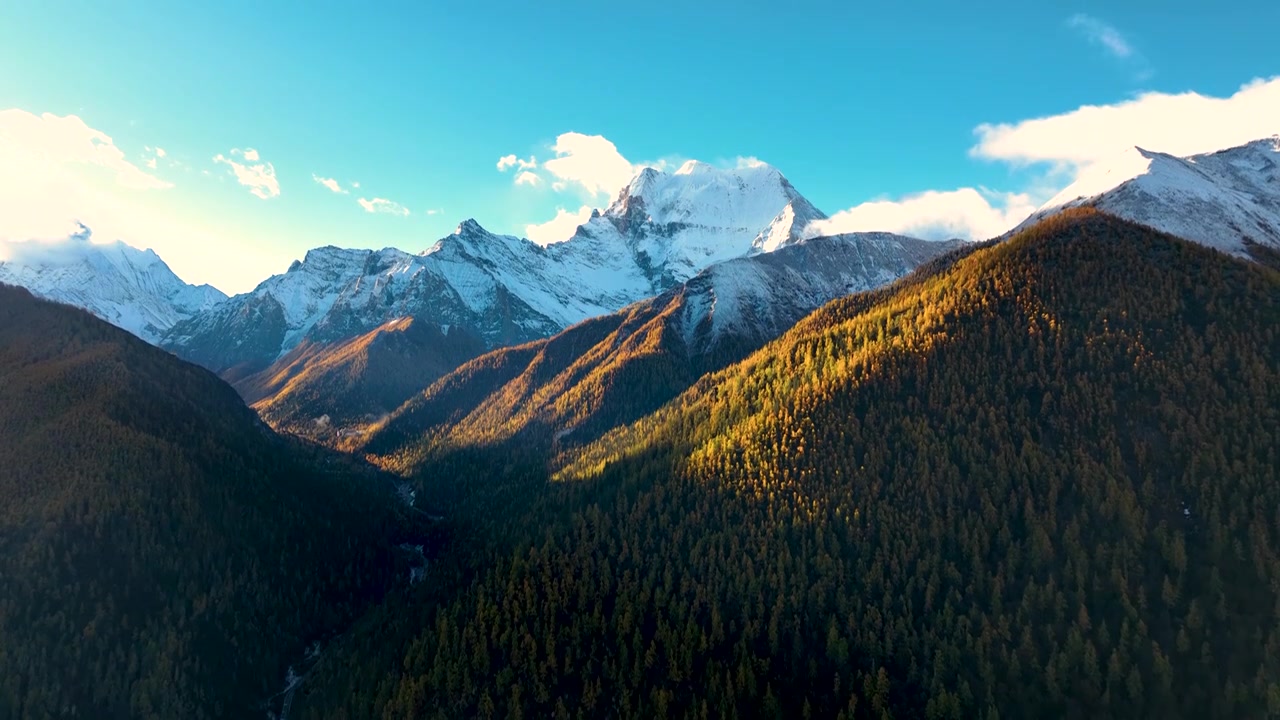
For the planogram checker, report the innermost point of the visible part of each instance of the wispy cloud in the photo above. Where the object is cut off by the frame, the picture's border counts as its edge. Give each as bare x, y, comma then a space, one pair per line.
1101, 33
384, 206
1113, 43
152, 156
528, 178
250, 171
330, 183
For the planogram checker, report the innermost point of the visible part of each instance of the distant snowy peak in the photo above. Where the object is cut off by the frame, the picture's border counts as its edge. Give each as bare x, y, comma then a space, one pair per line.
496, 286
677, 223
699, 194
1226, 199
130, 288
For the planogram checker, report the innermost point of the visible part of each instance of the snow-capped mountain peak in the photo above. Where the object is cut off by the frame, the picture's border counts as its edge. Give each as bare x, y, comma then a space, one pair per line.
1226, 199
131, 288
470, 227
680, 222
701, 194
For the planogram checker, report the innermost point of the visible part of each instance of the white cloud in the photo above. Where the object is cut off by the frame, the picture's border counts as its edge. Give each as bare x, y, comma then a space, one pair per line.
528, 178
1113, 43
153, 156
934, 215
50, 140
1064, 147
561, 227
383, 205
1100, 33
58, 170
435, 211
506, 162
1179, 124
259, 177
589, 161
747, 162
331, 183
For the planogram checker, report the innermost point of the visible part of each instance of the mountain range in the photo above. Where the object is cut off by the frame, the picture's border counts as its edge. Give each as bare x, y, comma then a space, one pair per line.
689, 462
662, 229
615, 368
344, 338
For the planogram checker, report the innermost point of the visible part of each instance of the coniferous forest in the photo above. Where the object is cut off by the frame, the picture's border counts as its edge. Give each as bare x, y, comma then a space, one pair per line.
1038, 480
1035, 478
163, 554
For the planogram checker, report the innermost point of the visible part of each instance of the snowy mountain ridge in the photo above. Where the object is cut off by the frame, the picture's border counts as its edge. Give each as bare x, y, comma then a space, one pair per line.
1227, 199
660, 231
759, 297
133, 289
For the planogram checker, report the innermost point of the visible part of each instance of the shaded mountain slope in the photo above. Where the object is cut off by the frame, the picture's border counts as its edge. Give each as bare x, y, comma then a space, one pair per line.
163, 553
328, 391
1040, 482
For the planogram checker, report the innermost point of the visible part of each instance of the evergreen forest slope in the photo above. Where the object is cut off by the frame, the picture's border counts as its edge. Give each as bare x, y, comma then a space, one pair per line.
1039, 481
163, 554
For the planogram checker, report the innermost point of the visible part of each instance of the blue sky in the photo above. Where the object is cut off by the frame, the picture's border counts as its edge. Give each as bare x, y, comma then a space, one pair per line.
417, 102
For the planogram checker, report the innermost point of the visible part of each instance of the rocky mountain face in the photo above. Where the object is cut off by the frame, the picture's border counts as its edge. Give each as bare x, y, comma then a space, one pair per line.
130, 288
662, 229
1228, 200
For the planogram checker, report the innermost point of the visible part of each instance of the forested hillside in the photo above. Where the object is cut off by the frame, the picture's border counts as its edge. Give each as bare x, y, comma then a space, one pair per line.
332, 391
592, 377
565, 391
1041, 481
163, 554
